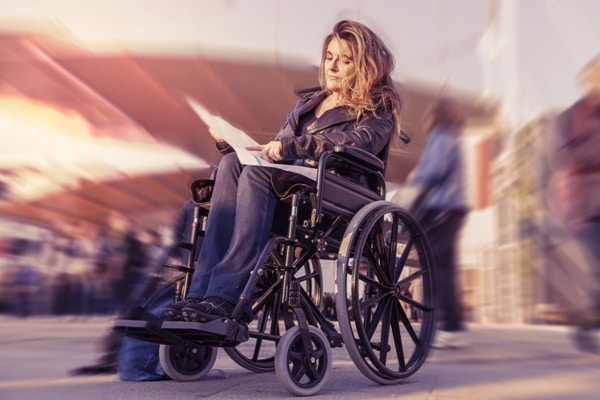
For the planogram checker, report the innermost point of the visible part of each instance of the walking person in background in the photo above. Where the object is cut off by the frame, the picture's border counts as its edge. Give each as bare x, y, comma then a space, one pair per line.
26, 281
576, 183
103, 272
125, 257
134, 268
440, 172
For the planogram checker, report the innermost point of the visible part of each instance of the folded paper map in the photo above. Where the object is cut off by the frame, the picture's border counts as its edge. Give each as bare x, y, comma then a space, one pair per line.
240, 140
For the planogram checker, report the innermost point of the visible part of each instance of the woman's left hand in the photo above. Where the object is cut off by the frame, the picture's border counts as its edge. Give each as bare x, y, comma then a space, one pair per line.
271, 151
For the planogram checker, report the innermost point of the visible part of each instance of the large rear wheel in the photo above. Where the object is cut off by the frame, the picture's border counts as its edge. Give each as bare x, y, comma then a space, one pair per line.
386, 283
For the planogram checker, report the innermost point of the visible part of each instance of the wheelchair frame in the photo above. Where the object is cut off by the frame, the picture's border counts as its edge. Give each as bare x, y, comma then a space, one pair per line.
378, 280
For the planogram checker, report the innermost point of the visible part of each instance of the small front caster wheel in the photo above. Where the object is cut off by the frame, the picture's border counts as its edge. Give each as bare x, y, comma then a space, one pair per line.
187, 363
303, 369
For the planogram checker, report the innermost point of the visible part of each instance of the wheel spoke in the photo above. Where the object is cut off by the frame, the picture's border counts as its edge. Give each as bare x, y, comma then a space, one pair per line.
306, 277
372, 323
393, 244
415, 303
185, 362
381, 271
261, 327
370, 281
385, 332
412, 277
399, 266
398, 311
297, 371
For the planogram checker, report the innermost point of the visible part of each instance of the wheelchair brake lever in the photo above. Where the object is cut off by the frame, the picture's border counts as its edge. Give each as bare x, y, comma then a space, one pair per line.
313, 214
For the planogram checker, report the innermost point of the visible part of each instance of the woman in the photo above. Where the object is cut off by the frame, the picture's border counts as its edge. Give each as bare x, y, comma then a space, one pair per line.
440, 170
356, 105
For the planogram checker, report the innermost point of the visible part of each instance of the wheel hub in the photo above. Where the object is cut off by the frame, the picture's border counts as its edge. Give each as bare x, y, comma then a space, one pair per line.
397, 291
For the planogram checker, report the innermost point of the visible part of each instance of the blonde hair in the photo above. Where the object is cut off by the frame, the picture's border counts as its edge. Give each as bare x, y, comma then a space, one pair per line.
372, 87
588, 77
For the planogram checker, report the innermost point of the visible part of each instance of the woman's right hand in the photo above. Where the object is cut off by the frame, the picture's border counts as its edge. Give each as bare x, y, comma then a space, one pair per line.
272, 151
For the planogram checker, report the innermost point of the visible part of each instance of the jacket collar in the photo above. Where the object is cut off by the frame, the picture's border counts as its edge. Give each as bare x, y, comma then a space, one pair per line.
329, 118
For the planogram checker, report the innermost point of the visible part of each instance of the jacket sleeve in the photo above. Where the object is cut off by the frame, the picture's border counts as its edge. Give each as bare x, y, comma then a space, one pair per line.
371, 133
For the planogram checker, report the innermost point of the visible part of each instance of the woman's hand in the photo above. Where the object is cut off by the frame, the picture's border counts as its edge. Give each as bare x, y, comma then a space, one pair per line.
215, 135
271, 151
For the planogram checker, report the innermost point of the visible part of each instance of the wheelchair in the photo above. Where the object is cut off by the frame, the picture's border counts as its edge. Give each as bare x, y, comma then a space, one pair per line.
385, 287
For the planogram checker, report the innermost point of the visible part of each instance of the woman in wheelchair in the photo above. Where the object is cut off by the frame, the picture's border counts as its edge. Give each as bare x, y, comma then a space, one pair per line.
356, 105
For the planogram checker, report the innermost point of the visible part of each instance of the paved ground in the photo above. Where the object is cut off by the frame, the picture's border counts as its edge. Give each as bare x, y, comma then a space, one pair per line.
518, 362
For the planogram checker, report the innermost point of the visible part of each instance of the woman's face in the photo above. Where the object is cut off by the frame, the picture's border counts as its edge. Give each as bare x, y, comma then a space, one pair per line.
339, 66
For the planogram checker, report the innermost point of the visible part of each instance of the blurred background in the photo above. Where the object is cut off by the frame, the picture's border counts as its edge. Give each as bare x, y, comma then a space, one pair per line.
97, 143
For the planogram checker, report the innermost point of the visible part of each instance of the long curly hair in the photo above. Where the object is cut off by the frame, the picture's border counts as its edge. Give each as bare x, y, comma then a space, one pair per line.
372, 88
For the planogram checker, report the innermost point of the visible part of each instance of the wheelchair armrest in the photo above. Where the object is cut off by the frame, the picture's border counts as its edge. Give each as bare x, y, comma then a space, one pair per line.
360, 156
347, 178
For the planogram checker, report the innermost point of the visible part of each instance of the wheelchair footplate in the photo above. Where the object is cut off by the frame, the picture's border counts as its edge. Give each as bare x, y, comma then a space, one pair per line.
222, 332
140, 324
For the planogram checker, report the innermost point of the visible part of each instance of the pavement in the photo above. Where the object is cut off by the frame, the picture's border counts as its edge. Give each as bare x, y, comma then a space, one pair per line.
500, 362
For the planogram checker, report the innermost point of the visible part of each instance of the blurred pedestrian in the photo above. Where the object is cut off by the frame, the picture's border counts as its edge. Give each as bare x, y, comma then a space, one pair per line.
577, 185
440, 172
106, 271
154, 249
26, 281
136, 261
130, 258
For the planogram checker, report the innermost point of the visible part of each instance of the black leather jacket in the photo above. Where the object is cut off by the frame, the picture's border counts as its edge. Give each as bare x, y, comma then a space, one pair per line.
337, 126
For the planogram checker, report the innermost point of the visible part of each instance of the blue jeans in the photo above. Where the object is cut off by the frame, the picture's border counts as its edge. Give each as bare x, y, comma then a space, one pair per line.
587, 234
239, 222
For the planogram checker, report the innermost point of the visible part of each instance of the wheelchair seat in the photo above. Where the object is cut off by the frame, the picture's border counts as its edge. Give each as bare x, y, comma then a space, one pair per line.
347, 179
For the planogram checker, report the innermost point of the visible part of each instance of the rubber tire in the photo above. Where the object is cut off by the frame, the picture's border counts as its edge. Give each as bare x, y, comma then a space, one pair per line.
286, 356
171, 361
366, 323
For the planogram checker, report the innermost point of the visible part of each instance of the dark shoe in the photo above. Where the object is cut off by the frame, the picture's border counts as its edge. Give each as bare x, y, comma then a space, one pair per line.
94, 370
210, 309
450, 340
174, 310
586, 340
